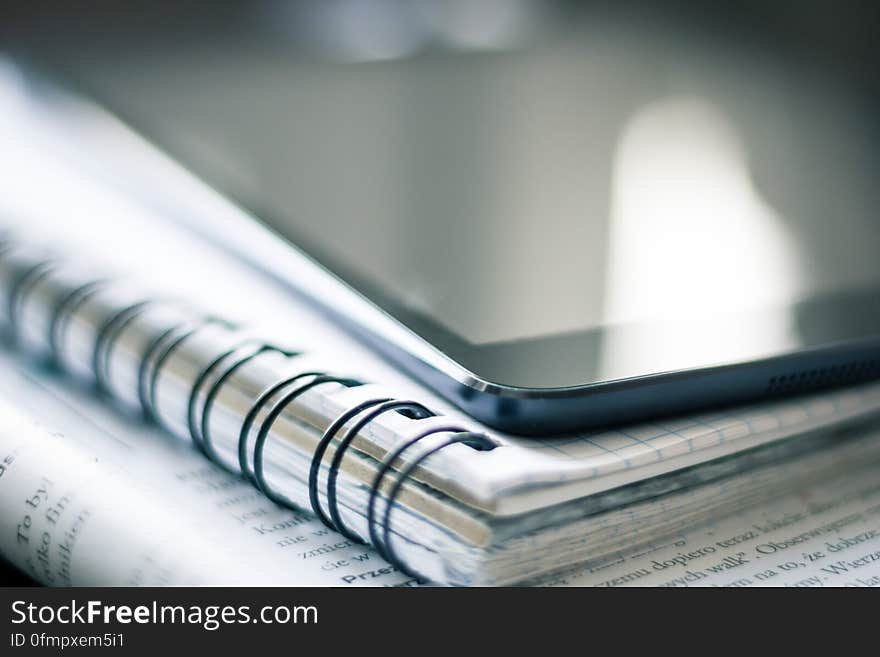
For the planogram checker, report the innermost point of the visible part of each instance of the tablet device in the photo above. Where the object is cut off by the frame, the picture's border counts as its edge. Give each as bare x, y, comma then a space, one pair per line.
589, 227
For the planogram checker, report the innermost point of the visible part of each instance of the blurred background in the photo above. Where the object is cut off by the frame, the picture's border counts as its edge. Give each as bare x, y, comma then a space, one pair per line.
445, 150
619, 124
838, 35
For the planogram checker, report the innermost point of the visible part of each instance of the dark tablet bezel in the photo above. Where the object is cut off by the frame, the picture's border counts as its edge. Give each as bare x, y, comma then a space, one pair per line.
834, 340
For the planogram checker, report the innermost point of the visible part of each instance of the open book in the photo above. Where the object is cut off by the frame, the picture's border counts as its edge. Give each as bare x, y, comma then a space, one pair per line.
293, 405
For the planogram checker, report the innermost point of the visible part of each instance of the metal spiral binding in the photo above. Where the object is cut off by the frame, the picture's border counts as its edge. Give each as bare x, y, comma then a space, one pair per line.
321, 449
273, 401
107, 339
477, 441
70, 302
237, 363
195, 428
266, 427
335, 520
19, 280
261, 402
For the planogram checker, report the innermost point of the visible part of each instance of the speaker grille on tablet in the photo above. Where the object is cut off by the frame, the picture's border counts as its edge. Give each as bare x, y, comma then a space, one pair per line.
844, 373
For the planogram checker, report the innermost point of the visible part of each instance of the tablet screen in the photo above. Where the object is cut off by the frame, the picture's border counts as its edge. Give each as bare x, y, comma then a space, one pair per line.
585, 178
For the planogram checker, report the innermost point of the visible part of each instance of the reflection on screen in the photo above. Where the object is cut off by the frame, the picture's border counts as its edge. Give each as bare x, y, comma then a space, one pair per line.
692, 238
590, 176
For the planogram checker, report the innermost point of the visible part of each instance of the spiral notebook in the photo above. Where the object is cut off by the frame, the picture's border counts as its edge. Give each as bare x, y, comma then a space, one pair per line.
270, 392
435, 494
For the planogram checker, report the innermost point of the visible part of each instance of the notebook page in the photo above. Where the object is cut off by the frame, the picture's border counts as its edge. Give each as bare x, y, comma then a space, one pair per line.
94, 497
88, 216
827, 534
